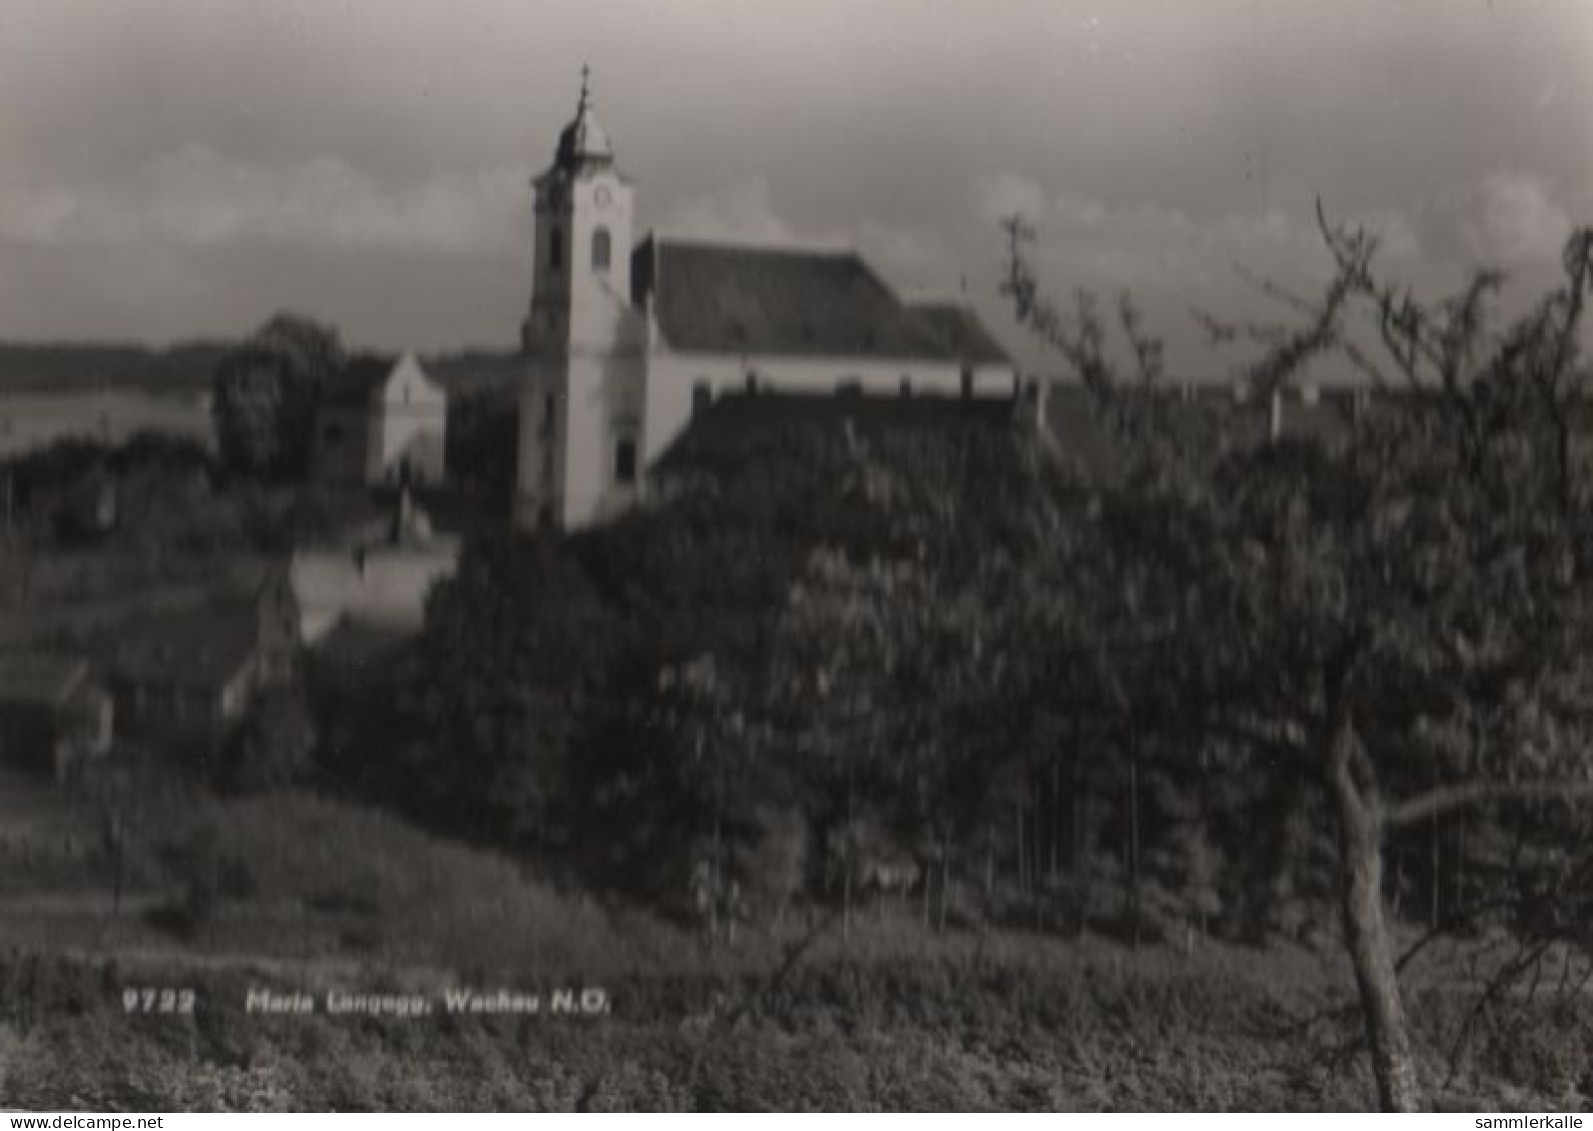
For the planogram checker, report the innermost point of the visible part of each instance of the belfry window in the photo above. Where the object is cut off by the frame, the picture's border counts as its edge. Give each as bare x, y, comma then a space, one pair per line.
555, 248
600, 249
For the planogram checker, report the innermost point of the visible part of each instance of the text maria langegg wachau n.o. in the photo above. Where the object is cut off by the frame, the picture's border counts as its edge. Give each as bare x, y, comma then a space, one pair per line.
585, 1001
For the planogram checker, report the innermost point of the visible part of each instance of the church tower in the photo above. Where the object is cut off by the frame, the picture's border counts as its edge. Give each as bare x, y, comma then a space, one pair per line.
581, 406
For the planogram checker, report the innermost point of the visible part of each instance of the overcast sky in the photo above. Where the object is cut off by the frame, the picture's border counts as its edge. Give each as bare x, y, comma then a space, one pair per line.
179, 168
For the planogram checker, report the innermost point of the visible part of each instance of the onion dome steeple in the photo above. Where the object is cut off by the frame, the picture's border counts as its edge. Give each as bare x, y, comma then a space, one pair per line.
583, 142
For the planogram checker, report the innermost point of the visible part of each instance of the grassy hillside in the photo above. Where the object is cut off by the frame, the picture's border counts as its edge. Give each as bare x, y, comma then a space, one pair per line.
313, 895
1009, 1023
292, 878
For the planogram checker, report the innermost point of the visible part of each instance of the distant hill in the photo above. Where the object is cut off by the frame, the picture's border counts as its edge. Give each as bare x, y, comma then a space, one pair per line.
184, 369
188, 368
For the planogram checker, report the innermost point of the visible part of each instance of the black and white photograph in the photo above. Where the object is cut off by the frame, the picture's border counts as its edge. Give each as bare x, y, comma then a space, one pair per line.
796, 556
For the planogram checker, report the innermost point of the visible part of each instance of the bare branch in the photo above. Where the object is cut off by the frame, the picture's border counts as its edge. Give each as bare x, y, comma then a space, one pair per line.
1273, 289
1446, 799
1147, 349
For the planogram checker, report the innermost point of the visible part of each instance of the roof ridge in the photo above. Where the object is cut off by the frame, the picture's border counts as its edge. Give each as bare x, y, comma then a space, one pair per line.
793, 246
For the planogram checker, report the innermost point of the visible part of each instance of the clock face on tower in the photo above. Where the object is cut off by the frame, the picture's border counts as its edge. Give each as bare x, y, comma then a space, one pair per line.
601, 197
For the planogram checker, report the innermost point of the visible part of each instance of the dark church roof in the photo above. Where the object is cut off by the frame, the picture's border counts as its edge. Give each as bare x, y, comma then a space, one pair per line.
720, 298
739, 423
959, 326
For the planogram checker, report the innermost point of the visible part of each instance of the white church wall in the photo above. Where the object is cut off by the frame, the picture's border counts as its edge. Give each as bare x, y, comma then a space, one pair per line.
567, 463
605, 406
598, 297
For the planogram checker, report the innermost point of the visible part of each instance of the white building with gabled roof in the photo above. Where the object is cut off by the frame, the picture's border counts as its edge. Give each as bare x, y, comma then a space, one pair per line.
381, 421
624, 346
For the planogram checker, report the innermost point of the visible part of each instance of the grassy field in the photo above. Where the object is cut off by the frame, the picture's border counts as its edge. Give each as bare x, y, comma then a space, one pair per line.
314, 895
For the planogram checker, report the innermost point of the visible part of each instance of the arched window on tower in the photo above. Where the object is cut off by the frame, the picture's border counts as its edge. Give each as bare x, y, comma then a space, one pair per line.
555, 248
600, 249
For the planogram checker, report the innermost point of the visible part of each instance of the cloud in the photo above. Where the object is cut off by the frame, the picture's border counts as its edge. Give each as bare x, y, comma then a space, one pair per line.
1149, 245
1508, 218
197, 197
910, 256
1146, 244
1000, 196
743, 211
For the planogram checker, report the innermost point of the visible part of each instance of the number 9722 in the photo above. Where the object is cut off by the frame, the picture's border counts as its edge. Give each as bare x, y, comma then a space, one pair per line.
157, 999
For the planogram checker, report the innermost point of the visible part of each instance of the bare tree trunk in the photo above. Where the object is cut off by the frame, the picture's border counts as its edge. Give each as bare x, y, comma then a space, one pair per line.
715, 883
846, 903
847, 865
1366, 931
945, 884
121, 869
1056, 816
1083, 877
1133, 838
1433, 879
1017, 816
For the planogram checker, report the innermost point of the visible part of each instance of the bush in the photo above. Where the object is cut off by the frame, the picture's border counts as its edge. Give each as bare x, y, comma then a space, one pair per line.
274, 746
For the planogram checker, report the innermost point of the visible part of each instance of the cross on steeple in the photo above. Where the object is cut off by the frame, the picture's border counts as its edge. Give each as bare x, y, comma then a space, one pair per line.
586, 73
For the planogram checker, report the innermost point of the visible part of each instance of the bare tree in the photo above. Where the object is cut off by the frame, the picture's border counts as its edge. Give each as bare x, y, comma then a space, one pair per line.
1406, 614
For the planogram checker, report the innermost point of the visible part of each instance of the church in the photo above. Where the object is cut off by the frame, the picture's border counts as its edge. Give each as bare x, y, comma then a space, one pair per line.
622, 352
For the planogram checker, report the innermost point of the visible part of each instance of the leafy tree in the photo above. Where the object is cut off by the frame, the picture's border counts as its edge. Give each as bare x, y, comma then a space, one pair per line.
274, 747
265, 394
483, 431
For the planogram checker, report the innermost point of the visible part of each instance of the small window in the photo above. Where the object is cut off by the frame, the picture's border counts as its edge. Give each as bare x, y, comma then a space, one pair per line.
548, 409
625, 461
555, 248
702, 396
600, 250
967, 381
907, 386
